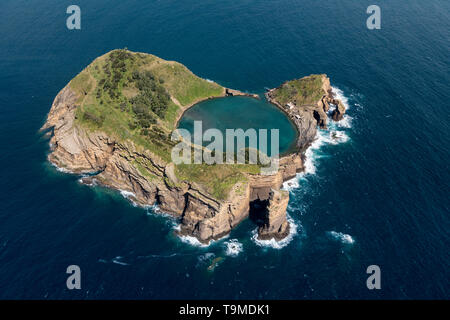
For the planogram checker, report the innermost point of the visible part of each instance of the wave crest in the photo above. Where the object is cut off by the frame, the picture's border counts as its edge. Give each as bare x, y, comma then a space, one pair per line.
342, 237
233, 248
272, 243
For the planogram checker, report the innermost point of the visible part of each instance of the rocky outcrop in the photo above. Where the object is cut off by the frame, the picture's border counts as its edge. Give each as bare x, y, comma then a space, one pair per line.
147, 179
308, 117
232, 92
206, 218
74, 149
112, 163
338, 113
275, 224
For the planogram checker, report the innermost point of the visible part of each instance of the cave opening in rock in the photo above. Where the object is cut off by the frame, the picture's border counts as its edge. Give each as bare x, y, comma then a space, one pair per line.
259, 212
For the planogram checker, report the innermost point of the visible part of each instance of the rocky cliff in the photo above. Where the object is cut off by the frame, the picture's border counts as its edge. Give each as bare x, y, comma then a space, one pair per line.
275, 224
122, 162
310, 111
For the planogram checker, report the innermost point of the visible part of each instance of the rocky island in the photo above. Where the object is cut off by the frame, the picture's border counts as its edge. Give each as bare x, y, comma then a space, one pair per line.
114, 121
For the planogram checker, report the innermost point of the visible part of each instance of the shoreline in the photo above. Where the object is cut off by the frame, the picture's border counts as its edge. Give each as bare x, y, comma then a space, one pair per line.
292, 149
202, 215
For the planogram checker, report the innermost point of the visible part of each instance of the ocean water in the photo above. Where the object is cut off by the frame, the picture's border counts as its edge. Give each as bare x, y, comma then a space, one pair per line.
375, 191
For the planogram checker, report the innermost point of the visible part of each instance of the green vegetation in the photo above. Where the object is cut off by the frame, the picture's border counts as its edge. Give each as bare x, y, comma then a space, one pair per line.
183, 85
142, 168
218, 179
304, 91
138, 97
128, 95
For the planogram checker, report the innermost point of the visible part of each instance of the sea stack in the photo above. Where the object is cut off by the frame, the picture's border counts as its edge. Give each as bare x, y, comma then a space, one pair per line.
275, 225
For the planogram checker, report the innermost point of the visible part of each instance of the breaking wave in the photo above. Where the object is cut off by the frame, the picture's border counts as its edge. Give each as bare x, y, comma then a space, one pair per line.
193, 241
155, 210
129, 196
342, 237
334, 135
272, 243
59, 169
233, 248
90, 183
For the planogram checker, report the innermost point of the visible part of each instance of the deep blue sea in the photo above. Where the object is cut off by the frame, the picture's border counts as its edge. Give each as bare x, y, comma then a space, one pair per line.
379, 195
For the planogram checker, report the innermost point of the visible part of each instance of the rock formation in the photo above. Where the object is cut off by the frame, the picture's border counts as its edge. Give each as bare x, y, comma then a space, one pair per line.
338, 113
124, 165
275, 224
231, 93
308, 116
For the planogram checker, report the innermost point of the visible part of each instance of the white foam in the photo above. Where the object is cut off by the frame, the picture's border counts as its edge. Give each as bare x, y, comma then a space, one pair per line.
311, 154
193, 241
156, 211
272, 243
64, 170
129, 196
292, 183
126, 194
93, 181
344, 238
339, 94
334, 135
345, 123
117, 261
233, 247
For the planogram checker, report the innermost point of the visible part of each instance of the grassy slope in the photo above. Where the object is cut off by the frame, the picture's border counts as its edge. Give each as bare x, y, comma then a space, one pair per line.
304, 91
101, 110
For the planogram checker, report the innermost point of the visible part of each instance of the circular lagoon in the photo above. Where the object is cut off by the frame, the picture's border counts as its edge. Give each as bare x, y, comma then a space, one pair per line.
241, 113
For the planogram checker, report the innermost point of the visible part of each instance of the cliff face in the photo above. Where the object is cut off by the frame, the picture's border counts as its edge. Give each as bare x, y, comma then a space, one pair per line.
275, 224
307, 114
110, 163
124, 165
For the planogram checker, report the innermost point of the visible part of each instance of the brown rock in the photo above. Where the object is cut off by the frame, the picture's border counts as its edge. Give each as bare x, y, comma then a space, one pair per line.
339, 112
276, 225
232, 92
202, 216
